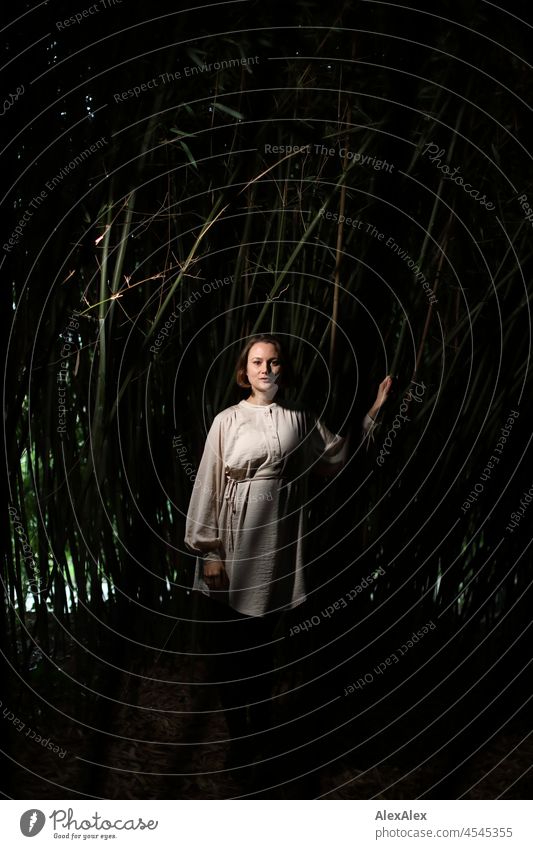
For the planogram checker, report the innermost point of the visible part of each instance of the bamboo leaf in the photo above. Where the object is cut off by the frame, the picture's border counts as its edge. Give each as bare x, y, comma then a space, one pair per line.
228, 110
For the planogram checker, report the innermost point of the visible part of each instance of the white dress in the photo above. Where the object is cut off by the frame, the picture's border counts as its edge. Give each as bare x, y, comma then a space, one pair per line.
249, 498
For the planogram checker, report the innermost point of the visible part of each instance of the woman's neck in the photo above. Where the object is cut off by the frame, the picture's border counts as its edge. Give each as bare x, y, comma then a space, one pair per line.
262, 399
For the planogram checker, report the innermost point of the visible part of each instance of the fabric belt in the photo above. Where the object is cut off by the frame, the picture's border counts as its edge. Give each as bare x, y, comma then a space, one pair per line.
230, 494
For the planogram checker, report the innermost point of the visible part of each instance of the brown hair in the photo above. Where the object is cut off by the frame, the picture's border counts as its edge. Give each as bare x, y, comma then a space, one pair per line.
242, 362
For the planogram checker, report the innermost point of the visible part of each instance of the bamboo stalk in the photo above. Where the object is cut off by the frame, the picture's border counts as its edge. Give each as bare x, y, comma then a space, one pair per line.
338, 253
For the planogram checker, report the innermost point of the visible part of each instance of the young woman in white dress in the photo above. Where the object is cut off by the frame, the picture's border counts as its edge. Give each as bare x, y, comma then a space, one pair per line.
246, 524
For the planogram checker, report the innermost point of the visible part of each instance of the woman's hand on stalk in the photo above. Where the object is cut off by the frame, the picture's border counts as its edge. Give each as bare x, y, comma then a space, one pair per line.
383, 393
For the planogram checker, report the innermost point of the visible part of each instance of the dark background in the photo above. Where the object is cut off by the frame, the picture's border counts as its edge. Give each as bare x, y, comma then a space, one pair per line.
101, 647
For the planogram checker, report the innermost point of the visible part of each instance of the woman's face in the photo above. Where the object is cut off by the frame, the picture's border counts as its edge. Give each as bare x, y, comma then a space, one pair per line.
263, 368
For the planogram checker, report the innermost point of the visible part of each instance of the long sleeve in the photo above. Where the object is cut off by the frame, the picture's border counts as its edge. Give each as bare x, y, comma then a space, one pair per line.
369, 425
202, 533
329, 448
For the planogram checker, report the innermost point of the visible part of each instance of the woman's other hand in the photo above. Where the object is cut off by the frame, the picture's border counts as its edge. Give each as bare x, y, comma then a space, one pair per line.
215, 574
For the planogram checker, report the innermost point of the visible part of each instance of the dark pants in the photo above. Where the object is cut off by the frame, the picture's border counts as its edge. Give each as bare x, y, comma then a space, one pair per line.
242, 666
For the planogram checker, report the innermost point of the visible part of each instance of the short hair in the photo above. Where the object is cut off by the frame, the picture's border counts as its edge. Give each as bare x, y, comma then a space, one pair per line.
286, 376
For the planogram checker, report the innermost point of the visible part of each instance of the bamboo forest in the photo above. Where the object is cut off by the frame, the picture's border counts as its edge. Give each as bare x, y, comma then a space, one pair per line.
348, 187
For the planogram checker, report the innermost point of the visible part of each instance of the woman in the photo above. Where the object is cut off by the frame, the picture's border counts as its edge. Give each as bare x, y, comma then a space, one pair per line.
246, 521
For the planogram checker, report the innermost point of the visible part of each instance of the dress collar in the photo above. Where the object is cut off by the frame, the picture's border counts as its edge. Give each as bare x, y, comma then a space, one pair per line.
259, 406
